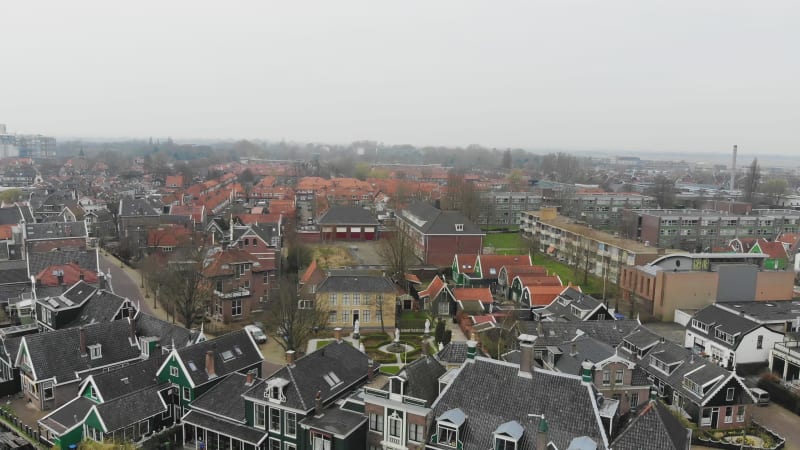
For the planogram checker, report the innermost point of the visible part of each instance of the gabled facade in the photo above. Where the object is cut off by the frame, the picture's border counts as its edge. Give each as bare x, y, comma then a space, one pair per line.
439, 235
364, 296
81, 304
574, 305
707, 394
777, 259
438, 298
463, 268
508, 272
240, 284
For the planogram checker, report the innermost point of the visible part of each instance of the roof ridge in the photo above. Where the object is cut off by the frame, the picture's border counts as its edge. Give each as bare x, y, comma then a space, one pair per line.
296, 387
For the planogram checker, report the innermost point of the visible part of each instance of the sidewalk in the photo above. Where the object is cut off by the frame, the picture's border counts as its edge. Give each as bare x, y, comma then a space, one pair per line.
127, 282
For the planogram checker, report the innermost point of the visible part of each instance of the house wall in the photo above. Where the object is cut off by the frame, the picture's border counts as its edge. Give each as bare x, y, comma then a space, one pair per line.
748, 351
682, 290
440, 250
624, 391
369, 302
774, 285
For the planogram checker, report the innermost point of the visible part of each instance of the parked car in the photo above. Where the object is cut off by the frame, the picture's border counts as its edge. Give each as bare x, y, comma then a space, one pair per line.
762, 396
257, 334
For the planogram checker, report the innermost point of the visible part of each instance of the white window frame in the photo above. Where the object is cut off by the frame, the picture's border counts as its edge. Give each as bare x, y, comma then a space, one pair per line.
263, 425
730, 393
95, 351
45, 386
439, 430
234, 307
272, 412
184, 393
286, 422
173, 371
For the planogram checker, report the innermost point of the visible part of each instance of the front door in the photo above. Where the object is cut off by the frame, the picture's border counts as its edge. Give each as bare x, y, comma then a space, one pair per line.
355, 316
714, 417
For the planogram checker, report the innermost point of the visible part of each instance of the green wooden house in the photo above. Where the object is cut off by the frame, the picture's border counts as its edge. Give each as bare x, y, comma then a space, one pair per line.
464, 267
777, 258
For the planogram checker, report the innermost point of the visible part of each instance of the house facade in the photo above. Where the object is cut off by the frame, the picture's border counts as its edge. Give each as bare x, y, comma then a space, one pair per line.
352, 295
438, 235
239, 284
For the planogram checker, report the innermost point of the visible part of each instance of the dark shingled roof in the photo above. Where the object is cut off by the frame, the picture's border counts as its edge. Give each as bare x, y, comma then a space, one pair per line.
10, 215
86, 259
430, 220
167, 333
243, 432
586, 348
307, 376
132, 408
126, 380
567, 403
58, 354
335, 421
225, 398
723, 320
422, 378
348, 215
68, 415
237, 344
55, 230
611, 332
139, 207
455, 352
103, 306
655, 428
14, 272
356, 282
561, 308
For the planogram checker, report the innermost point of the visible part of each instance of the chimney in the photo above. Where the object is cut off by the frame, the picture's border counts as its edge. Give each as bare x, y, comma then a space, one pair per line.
81, 276
132, 321
573, 349
471, 350
290, 357
249, 380
653, 395
370, 370
82, 334
337, 333
210, 364
318, 404
542, 438
526, 342
60, 277
586, 371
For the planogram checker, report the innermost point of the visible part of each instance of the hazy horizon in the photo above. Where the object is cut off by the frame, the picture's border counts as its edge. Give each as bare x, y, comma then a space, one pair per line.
614, 77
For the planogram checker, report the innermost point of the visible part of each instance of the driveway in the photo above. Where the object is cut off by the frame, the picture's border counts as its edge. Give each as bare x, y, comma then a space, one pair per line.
126, 282
782, 421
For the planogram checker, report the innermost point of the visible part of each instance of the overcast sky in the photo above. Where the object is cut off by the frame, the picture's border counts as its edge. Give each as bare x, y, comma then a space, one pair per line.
613, 75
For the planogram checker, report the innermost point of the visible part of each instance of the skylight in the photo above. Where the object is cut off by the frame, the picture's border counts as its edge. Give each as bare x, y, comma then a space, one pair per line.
237, 350
192, 366
227, 355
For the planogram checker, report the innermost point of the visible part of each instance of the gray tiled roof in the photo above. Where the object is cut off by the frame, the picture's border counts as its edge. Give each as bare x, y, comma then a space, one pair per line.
557, 311
86, 259
765, 312
586, 348
654, 428
139, 207
455, 352
168, 333
243, 432
357, 283
422, 378
132, 408
554, 333
306, 376
10, 215
336, 421
68, 415
58, 354
125, 380
515, 397
55, 230
103, 306
247, 355
723, 320
431, 220
225, 398
642, 338
348, 215
14, 272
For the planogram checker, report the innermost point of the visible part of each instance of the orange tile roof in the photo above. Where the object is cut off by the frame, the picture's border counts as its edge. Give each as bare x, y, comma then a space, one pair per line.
71, 273
775, 250
221, 263
540, 280
433, 289
168, 236
484, 295
6, 232
496, 262
544, 295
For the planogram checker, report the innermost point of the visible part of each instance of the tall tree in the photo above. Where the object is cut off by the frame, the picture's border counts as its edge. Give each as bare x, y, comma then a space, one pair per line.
397, 251
751, 181
663, 190
291, 323
506, 161
774, 190
185, 290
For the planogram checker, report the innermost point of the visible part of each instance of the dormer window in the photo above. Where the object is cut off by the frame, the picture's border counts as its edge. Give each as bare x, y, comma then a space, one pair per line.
447, 427
95, 351
459, 227
274, 391
507, 436
397, 385
700, 325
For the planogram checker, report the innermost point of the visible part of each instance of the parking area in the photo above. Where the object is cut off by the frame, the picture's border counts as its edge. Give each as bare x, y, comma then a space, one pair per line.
781, 421
671, 331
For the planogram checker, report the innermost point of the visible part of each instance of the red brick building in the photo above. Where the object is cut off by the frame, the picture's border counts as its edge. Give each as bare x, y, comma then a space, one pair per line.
238, 282
348, 223
438, 235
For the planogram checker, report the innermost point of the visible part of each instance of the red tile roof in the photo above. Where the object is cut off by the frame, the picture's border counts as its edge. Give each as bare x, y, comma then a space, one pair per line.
540, 280
484, 295
221, 265
775, 250
544, 295
433, 289
71, 272
491, 264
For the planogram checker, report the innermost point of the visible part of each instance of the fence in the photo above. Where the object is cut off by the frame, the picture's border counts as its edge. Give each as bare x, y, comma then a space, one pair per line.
13, 423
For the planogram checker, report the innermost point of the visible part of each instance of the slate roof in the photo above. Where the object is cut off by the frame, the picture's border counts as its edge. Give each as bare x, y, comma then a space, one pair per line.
132, 408
654, 428
139, 207
11, 215
723, 320
422, 378
514, 397
243, 432
126, 380
702, 370
348, 215
585, 348
356, 282
58, 354
307, 376
167, 333
247, 355
336, 421
430, 220
68, 415
55, 230
611, 332
85, 259
455, 352
764, 312
225, 398
103, 306
14, 272
561, 308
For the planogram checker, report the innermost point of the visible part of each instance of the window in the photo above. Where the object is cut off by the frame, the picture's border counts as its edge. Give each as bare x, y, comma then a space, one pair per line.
740, 410
447, 436
729, 414
306, 304
729, 394
289, 446
236, 307
332, 299
619, 378
416, 432
332, 317
346, 316
504, 443
376, 422
95, 351
291, 424
275, 420
274, 444
47, 391
459, 227
346, 299
259, 416
173, 371
320, 441
166, 414
246, 284
379, 315
144, 427
634, 400
365, 315
395, 425
356, 299
187, 394
606, 377
220, 286
760, 342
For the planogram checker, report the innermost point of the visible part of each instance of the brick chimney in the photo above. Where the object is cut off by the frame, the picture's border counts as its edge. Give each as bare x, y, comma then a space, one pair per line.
290, 357
318, 404
82, 337
249, 380
526, 342
337, 333
210, 364
132, 321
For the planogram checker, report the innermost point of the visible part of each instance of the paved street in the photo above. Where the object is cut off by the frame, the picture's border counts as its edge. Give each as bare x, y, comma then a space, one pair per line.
125, 282
781, 421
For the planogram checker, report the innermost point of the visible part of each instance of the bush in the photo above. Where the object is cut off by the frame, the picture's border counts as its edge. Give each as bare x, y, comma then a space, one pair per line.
779, 394
448, 336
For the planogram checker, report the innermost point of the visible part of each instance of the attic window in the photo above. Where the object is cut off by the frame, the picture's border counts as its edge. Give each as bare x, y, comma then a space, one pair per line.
227, 355
507, 436
331, 379
459, 227
95, 351
192, 367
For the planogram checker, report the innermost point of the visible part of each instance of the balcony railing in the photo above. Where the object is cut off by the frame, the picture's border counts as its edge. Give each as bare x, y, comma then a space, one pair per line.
790, 347
233, 294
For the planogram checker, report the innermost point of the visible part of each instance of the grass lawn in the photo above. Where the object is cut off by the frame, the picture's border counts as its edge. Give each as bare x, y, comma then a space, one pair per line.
390, 369
323, 342
594, 286
511, 243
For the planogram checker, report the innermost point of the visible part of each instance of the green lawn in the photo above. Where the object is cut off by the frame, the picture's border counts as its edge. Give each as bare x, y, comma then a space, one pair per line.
507, 242
390, 369
594, 285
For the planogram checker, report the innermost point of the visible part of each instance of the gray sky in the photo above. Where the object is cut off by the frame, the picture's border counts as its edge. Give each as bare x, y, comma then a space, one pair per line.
617, 75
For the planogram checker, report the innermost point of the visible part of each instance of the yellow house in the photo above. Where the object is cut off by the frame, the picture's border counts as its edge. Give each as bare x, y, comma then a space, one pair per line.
351, 295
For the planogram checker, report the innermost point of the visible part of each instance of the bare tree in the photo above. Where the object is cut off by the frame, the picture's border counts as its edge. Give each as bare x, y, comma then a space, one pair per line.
663, 190
185, 290
397, 251
752, 181
290, 322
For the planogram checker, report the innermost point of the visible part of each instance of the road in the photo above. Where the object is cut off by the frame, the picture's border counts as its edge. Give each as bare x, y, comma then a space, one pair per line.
125, 282
782, 421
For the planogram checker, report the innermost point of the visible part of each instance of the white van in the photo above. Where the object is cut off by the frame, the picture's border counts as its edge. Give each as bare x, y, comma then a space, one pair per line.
762, 396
